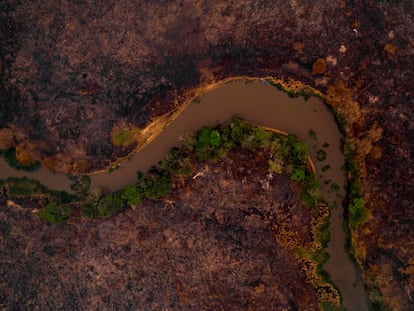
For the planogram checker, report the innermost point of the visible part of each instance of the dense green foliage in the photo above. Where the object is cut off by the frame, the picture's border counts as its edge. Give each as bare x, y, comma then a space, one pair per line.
54, 213
155, 184
289, 154
358, 214
10, 157
356, 211
104, 206
132, 194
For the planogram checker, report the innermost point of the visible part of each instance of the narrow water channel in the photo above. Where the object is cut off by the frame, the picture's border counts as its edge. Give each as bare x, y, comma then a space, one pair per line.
263, 105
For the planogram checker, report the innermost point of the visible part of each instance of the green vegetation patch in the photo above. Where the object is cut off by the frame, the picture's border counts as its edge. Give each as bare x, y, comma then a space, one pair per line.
124, 135
104, 206
132, 194
57, 210
27, 188
155, 184
289, 155
304, 92
80, 185
357, 213
54, 213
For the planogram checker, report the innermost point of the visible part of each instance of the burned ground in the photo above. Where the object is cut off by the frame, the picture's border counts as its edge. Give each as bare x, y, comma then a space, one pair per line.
70, 72
217, 242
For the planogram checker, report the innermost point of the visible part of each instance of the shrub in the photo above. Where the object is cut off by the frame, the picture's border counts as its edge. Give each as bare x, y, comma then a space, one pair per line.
209, 137
298, 150
10, 157
26, 153
358, 214
132, 194
157, 188
276, 165
171, 162
312, 134
104, 207
256, 137
81, 185
262, 137
321, 155
24, 187
310, 194
176, 163
209, 144
109, 204
88, 210
298, 175
54, 213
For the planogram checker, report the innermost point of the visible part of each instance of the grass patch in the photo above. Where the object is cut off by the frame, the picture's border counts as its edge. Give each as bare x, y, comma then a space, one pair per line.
124, 135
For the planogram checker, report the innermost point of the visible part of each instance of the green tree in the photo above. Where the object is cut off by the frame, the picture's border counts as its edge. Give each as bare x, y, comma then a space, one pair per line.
209, 137
158, 188
132, 194
109, 204
358, 212
298, 175
54, 213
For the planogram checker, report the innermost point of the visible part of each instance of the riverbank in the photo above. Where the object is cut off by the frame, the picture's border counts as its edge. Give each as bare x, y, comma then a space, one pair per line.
251, 183
264, 105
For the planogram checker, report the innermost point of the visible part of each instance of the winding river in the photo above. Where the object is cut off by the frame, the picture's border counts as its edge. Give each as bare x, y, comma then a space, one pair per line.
263, 105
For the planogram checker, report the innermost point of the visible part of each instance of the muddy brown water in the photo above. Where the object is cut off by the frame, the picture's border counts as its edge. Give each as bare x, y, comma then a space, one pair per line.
263, 105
